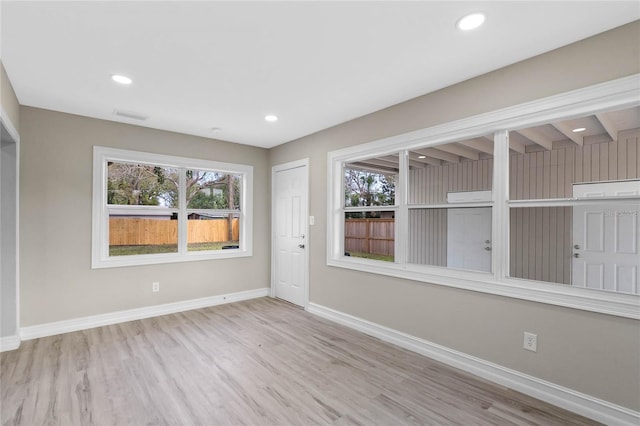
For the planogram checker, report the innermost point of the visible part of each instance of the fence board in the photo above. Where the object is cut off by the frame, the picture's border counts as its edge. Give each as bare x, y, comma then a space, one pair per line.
375, 236
137, 231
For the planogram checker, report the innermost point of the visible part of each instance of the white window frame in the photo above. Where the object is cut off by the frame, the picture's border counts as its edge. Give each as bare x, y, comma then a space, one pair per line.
100, 215
616, 94
362, 209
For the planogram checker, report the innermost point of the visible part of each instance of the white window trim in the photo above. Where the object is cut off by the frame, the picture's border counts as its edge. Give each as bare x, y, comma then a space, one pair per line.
616, 94
100, 230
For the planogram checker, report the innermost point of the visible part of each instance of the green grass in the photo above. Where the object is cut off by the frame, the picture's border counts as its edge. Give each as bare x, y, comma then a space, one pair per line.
211, 246
372, 256
166, 248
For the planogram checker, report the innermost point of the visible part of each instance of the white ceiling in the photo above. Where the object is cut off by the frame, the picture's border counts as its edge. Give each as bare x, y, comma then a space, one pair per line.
198, 65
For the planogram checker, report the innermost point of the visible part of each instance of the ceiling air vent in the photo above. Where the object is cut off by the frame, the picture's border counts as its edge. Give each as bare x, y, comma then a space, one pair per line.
130, 114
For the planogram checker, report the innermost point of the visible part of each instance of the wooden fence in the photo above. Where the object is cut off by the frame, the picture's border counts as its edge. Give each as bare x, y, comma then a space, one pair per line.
134, 231
375, 236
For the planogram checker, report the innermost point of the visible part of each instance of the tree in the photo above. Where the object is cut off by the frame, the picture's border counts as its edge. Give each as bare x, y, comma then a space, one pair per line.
365, 188
134, 184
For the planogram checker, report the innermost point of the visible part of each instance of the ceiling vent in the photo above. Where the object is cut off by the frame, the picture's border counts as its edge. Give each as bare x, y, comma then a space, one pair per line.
130, 114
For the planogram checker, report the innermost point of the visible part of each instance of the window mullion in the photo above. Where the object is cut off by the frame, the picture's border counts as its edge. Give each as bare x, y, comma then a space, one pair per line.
500, 216
182, 211
402, 214
104, 212
338, 215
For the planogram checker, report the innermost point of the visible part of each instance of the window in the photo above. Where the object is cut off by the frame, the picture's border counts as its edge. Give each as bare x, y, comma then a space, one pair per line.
574, 189
369, 208
151, 208
519, 202
450, 204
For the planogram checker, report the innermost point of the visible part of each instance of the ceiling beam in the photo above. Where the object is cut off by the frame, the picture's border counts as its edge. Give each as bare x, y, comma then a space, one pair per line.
514, 145
517, 146
427, 160
566, 130
368, 166
380, 162
608, 125
537, 138
440, 155
412, 163
462, 151
483, 144
420, 164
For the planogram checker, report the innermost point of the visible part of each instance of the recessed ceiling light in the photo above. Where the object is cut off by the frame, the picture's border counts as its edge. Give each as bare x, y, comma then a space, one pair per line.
422, 156
216, 129
470, 22
579, 129
122, 79
271, 118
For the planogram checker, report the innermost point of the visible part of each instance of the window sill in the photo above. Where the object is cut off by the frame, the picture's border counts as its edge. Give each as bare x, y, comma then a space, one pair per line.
155, 259
622, 305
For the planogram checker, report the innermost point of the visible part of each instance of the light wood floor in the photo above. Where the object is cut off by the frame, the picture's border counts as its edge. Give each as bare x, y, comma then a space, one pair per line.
260, 362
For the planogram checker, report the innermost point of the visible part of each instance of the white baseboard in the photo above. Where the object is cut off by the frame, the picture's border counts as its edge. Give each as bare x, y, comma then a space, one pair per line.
585, 405
84, 323
9, 343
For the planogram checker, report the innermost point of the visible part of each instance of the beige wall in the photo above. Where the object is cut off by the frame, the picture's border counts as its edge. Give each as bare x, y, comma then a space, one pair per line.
9, 99
57, 282
595, 354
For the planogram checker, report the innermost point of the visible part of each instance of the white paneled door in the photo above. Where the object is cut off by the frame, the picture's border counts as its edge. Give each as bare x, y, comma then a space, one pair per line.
290, 195
469, 239
605, 248
605, 239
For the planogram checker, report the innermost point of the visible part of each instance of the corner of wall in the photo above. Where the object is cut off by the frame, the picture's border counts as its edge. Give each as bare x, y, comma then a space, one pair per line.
10, 106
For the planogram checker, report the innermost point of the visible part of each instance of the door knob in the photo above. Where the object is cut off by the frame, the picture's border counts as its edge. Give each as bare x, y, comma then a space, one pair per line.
487, 241
487, 248
301, 245
577, 247
576, 255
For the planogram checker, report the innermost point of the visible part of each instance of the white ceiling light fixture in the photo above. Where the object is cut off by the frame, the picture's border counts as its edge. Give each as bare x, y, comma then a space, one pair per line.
271, 118
216, 129
470, 22
579, 129
122, 79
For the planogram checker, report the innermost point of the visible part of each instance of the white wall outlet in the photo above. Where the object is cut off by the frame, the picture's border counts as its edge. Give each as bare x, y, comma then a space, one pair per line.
155, 287
530, 342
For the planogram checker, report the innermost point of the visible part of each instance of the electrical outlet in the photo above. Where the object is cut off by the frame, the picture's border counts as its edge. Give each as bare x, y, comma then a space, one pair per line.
530, 342
155, 287
312, 220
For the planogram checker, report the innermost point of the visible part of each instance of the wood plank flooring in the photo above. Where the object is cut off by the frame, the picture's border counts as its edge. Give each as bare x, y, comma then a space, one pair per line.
259, 362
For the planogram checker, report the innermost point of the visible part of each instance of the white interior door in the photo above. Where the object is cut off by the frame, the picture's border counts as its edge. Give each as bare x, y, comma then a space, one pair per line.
605, 248
290, 260
469, 239
606, 238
